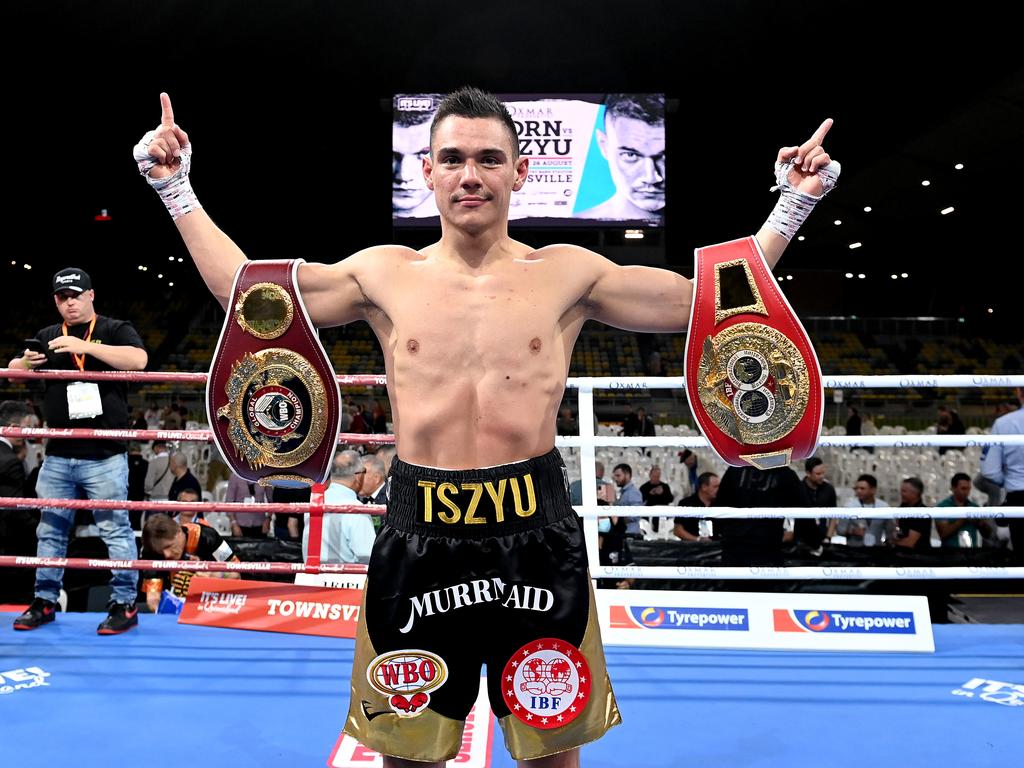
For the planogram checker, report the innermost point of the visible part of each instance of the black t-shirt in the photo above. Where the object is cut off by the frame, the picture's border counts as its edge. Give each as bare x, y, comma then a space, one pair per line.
291, 496
757, 541
920, 524
179, 484
812, 532
113, 394
822, 496
690, 524
137, 468
665, 497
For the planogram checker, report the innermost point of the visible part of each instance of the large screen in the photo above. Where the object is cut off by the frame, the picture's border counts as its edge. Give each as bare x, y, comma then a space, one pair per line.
596, 159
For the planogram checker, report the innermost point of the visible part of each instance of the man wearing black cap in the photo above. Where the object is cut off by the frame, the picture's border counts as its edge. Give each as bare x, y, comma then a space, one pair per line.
95, 469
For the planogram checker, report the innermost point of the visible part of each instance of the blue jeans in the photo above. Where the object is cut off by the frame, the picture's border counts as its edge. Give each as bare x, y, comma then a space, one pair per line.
64, 478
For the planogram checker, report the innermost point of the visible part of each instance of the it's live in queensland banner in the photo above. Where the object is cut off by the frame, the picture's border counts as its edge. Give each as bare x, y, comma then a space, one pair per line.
272, 606
765, 621
593, 159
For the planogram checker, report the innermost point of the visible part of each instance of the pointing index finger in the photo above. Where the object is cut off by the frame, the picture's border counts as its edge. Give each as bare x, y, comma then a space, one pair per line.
166, 112
817, 138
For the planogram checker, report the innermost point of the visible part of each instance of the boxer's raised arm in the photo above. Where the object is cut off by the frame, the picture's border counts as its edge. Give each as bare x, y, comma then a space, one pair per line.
164, 157
805, 174
215, 254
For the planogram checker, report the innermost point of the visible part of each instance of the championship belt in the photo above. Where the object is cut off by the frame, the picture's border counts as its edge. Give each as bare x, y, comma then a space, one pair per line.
752, 377
272, 397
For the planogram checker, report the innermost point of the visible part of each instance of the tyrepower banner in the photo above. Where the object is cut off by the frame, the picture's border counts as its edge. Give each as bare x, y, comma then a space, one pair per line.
272, 607
795, 622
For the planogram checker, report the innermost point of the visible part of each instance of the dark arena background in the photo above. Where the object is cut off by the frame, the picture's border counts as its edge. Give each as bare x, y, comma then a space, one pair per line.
910, 268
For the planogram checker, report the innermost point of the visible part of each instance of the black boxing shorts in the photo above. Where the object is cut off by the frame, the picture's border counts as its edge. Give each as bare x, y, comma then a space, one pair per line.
473, 568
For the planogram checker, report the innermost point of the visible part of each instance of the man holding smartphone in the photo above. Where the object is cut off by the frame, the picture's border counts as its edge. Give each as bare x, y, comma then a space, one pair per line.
96, 469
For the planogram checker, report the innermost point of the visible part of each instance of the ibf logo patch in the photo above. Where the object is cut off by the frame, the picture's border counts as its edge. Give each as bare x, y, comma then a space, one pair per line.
546, 683
406, 677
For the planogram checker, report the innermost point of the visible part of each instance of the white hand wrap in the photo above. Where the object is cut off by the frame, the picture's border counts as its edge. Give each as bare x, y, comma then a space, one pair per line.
794, 206
175, 190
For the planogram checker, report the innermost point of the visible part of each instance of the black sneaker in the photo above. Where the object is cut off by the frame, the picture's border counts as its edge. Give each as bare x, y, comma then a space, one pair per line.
120, 618
39, 613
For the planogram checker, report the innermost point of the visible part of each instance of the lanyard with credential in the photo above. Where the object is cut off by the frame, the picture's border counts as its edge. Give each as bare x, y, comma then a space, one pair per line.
80, 359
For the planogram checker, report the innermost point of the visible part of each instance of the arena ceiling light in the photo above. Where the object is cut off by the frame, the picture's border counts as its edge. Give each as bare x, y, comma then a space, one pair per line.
170, 258
27, 266
904, 274
959, 166
180, 259
854, 246
861, 276
944, 211
789, 277
990, 310
837, 222
895, 277
849, 275
634, 234
801, 238
926, 183
867, 209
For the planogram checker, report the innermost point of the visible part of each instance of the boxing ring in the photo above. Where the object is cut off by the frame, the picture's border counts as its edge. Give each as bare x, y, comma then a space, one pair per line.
170, 693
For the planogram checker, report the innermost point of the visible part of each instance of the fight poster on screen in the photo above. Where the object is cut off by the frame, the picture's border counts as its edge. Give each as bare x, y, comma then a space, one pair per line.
596, 159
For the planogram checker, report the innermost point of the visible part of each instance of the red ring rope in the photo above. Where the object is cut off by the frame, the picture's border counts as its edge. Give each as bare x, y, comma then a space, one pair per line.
174, 507
97, 564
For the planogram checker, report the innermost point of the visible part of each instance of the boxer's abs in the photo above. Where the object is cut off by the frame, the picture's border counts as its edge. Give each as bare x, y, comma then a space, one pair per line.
476, 362
460, 411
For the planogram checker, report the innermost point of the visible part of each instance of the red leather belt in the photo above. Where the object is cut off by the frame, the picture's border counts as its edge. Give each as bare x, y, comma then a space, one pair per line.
272, 398
752, 377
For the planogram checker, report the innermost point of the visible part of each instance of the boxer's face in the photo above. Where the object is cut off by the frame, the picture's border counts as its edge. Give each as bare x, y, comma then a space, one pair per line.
473, 170
635, 152
410, 145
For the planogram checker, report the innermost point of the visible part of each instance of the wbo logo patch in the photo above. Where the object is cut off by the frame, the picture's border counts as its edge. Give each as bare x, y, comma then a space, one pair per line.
546, 683
406, 677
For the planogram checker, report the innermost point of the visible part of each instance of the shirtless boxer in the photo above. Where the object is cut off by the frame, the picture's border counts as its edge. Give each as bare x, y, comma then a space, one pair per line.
476, 566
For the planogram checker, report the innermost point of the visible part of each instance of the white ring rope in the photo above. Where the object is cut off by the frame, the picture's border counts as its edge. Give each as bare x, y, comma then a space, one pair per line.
830, 382
827, 441
590, 511
804, 572
805, 513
